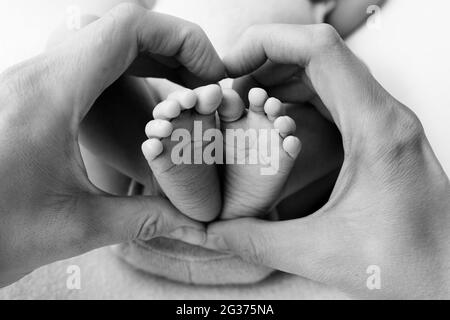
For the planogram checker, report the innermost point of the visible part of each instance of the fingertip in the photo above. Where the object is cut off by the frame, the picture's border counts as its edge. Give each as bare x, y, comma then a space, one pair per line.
208, 66
194, 236
237, 65
232, 107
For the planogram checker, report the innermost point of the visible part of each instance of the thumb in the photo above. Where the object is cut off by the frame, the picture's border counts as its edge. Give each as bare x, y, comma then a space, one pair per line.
300, 247
114, 220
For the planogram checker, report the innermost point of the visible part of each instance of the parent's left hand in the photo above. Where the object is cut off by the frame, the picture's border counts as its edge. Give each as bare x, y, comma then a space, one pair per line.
48, 208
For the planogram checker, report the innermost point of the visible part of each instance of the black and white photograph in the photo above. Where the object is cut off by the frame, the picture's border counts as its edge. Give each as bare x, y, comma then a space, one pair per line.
224, 155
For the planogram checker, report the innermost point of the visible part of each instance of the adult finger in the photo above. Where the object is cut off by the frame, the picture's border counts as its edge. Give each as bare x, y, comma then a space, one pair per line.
163, 88
298, 91
143, 66
272, 74
111, 220
294, 90
346, 87
300, 247
98, 54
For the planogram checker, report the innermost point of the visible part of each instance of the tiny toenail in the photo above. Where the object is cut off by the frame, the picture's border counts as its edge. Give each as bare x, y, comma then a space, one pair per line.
258, 96
152, 148
273, 107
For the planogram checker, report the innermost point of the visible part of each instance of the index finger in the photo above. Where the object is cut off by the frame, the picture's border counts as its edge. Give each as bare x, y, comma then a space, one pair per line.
100, 53
340, 79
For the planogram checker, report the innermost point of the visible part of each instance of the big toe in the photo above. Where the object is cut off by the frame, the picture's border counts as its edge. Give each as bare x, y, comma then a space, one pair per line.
232, 107
209, 99
186, 98
167, 110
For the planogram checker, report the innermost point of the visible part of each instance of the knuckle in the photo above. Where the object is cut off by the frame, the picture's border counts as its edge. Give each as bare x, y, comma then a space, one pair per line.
399, 138
411, 124
191, 30
256, 248
192, 49
149, 226
22, 84
409, 131
119, 18
119, 26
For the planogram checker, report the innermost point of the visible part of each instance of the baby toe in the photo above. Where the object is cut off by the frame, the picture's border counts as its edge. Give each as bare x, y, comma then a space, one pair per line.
257, 98
209, 99
186, 98
167, 110
232, 107
285, 125
273, 108
292, 145
158, 129
152, 148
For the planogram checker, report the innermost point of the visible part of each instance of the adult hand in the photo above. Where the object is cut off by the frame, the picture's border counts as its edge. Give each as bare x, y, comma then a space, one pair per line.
387, 222
48, 208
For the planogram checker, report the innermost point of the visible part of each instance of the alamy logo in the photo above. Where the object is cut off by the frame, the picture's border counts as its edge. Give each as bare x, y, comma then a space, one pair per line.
374, 22
374, 280
73, 281
238, 146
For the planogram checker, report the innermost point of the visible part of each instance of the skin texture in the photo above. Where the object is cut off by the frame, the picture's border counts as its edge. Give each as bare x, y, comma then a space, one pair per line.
118, 144
49, 209
390, 207
247, 190
389, 167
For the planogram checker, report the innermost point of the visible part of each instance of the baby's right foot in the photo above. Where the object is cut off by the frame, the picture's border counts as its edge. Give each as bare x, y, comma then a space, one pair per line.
256, 169
193, 188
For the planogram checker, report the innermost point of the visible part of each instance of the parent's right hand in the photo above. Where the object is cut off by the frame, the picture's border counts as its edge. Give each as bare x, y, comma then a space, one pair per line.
390, 209
48, 208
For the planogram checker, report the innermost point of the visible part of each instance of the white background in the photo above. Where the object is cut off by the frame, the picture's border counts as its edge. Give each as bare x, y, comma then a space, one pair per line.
409, 53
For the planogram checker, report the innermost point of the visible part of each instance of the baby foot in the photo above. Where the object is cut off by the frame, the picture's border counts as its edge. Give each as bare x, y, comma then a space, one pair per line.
258, 167
192, 186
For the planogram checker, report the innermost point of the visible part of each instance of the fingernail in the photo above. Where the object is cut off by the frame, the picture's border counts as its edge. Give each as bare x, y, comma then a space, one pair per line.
192, 236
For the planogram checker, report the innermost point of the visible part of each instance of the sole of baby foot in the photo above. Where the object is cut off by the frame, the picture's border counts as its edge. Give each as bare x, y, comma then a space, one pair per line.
173, 148
260, 152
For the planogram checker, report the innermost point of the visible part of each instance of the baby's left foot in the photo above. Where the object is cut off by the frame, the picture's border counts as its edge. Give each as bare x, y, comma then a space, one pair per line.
260, 153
